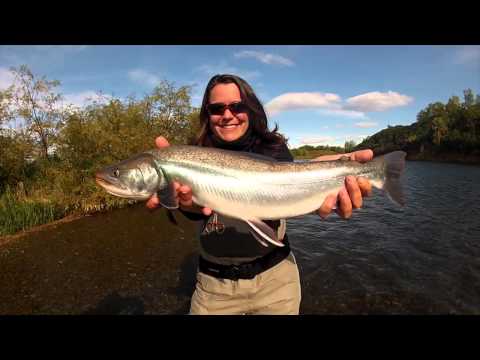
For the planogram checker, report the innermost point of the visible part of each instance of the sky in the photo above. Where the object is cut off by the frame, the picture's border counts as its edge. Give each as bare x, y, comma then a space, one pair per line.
318, 95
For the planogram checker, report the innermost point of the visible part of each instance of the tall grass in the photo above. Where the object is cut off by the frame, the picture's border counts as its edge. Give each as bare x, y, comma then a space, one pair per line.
18, 214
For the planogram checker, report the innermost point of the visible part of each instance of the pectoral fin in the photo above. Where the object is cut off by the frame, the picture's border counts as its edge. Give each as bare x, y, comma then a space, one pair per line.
264, 231
258, 238
168, 196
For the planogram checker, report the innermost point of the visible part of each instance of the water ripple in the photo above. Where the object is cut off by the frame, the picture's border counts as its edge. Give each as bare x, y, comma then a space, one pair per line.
424, 257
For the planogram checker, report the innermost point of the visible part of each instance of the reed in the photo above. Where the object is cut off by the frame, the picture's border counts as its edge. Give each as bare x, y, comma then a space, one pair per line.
19, 214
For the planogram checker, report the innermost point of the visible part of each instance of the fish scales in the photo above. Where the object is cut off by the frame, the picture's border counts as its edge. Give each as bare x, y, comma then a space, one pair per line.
243, 185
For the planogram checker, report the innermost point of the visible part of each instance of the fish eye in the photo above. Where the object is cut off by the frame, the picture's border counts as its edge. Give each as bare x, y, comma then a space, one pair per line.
116, 173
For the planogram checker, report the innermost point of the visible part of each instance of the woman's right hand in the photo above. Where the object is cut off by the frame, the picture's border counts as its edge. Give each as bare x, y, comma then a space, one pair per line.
184, 193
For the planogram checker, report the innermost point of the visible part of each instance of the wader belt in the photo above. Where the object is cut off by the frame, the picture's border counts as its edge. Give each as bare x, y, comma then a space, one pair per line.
246, 270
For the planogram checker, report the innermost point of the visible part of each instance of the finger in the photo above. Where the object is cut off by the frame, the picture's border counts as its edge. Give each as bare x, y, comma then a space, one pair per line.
206, 211
344, 208
161, 142
354, 192
153, 202
365, 186
362, 155
185, 195
176, 186
184, 192
327, 206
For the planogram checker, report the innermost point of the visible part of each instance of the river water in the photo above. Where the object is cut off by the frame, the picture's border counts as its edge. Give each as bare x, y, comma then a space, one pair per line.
420, 259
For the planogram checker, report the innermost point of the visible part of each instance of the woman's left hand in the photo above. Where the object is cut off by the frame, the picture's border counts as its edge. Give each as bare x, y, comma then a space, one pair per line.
351, 195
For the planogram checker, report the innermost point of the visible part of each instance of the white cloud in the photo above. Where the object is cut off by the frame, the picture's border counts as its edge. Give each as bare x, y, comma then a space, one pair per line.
377, 101
6, 78
83, 98
366, 124
224, 68
342, 112
303, 100
270, 59
316, 140
143, 77
468, 54
330, 104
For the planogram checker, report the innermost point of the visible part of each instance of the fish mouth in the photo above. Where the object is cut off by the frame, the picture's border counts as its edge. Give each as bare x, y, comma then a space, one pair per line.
100, 181
116, 191
103, 183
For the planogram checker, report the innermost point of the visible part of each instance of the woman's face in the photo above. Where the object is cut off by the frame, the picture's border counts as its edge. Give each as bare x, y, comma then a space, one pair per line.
227, 125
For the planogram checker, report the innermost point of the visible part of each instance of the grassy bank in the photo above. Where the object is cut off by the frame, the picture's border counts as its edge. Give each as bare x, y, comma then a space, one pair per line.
19, 212
311, 154
17, 215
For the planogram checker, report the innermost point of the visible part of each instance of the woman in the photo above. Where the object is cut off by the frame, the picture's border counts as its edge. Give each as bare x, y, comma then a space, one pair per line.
237, 274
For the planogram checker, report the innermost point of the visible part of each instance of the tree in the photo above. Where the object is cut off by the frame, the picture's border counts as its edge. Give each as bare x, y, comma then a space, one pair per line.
6, 113
37, 103
15, 150
349, 145
167, 110
440, 129
193, 128
453, 106
469, 97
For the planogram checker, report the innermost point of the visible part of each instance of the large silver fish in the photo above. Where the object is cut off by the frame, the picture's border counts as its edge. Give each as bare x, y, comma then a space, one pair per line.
245, 186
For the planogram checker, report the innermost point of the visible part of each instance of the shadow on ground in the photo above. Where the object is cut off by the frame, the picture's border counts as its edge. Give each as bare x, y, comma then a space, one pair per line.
186, 283
115, 304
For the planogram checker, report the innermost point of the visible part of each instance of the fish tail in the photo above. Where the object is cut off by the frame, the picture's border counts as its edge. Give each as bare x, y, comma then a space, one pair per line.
393, 168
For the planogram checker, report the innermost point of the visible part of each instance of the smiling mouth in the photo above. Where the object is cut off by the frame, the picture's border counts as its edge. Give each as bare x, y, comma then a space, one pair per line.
228, 126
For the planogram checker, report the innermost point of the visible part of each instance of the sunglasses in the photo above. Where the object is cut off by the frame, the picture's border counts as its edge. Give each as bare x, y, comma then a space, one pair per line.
219, 108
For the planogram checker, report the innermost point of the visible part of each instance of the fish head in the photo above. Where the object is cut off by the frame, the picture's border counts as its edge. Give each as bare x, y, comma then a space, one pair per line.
135, 178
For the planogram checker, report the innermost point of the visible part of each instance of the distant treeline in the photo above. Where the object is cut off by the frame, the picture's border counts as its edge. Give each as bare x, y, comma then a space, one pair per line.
449, 132
309, 151
47, 165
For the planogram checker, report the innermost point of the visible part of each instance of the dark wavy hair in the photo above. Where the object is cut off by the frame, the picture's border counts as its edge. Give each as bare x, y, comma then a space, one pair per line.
257, 117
